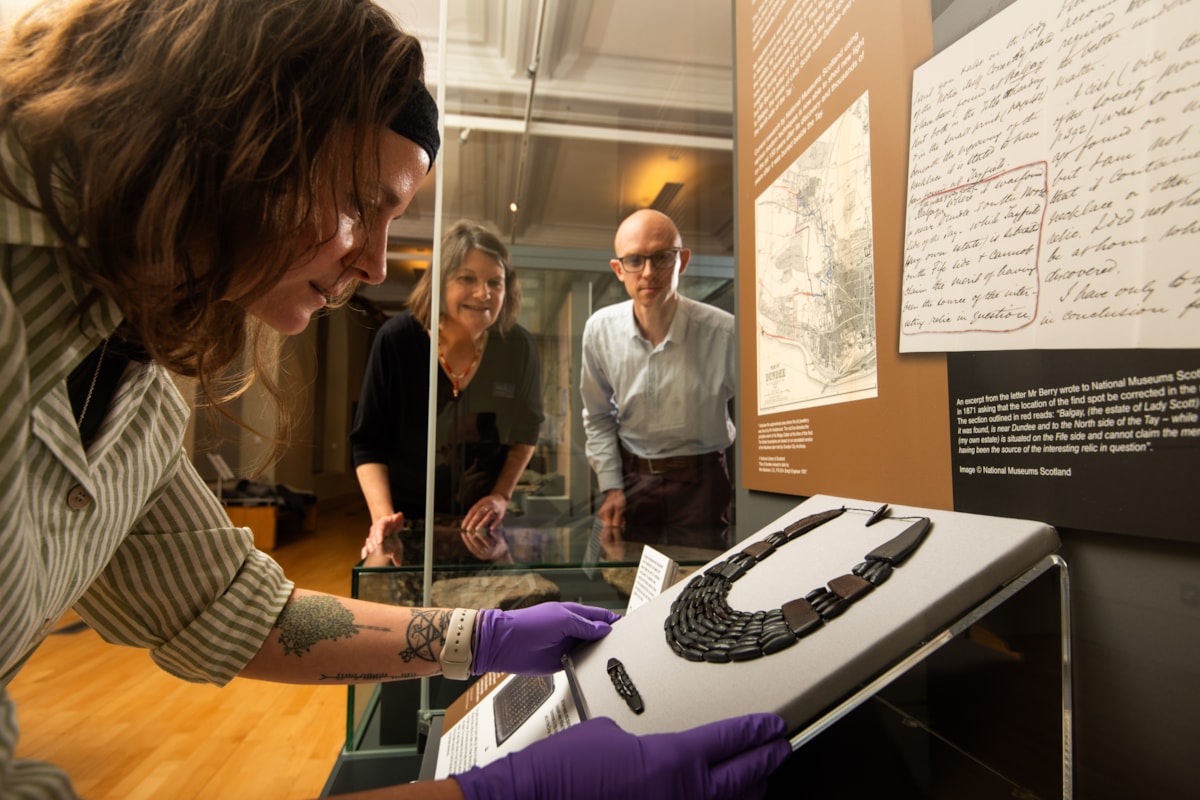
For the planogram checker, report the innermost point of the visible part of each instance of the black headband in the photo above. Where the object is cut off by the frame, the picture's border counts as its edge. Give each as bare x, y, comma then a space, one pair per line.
417, 121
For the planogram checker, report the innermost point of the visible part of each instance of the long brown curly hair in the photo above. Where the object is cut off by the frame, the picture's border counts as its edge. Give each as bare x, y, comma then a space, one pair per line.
182, 150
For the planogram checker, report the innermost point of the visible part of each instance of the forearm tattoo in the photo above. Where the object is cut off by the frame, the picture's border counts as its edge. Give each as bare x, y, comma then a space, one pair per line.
427, 626
307, 620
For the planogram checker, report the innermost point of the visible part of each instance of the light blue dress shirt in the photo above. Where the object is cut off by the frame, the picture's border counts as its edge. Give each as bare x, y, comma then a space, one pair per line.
658, 402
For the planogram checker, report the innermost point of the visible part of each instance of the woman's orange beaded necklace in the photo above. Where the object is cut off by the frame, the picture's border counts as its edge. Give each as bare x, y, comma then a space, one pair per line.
457, 377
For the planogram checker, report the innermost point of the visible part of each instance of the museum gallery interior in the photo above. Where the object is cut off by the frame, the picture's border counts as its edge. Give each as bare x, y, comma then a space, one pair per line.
956, 238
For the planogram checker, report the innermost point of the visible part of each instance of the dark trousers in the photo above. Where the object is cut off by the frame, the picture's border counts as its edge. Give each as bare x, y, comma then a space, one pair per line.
690, 505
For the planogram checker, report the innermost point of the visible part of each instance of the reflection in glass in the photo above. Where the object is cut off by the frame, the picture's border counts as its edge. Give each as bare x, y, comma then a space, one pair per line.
488, 396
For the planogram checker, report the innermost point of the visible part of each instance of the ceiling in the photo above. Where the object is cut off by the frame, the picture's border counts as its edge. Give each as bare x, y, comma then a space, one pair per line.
618, 105
628, 97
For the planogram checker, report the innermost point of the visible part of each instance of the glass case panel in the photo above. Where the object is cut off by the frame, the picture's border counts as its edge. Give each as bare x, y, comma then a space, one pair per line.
523, 565
560, 119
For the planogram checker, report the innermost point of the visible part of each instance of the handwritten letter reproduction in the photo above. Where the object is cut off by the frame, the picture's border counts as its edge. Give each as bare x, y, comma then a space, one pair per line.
1054, 181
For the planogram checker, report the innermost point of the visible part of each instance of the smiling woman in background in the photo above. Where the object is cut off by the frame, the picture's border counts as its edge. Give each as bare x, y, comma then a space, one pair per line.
489, 405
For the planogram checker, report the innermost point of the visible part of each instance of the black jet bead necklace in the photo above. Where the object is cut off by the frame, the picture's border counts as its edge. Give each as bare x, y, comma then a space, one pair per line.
702, 626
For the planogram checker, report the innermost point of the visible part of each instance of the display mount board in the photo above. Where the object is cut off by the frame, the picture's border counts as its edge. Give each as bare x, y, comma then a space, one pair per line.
964, 559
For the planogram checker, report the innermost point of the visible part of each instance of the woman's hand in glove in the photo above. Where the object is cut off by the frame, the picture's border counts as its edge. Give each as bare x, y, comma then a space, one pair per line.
725, 760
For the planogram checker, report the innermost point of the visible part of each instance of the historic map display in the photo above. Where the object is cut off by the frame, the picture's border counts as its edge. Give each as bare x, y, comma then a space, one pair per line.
814, 277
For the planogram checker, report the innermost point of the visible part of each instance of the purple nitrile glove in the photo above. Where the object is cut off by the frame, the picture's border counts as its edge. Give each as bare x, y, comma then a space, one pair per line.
532, 641
729, 759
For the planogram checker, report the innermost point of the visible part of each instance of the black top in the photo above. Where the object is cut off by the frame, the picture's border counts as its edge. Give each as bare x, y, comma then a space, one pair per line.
502, 405
92, 385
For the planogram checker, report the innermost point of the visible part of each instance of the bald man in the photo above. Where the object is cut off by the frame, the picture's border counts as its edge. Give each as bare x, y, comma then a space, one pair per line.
657, 385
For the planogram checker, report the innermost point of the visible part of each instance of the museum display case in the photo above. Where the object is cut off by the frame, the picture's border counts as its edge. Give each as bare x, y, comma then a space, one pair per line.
528, 562
981, 705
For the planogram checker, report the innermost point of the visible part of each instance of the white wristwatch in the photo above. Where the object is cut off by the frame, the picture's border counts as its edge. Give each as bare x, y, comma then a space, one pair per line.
456, 652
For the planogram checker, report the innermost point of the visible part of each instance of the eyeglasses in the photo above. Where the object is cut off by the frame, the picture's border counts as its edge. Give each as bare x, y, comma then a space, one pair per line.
660, 261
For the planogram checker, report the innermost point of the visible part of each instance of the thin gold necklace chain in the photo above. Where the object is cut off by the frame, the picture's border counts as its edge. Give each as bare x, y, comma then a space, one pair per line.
91, 389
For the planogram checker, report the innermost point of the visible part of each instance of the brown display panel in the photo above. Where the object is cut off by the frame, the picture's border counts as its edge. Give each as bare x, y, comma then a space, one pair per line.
800, 66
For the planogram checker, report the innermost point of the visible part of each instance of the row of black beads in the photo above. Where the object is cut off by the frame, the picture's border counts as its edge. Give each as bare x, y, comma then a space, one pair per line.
834, 598
874, 571
702, 626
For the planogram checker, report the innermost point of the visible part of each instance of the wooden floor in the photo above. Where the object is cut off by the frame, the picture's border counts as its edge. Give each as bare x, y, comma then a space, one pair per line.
124, 729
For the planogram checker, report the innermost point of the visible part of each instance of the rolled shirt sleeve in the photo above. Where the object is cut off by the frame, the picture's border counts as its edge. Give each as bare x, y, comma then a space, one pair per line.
187, 586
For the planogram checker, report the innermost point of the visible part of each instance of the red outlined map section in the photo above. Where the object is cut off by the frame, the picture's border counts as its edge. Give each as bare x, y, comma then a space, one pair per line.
973, 255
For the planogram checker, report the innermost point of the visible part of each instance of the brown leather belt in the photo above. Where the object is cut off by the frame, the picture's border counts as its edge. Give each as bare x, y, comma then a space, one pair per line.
673, 465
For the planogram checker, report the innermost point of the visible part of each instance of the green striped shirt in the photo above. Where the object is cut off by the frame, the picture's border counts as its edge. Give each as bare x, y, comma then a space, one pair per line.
126, 532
